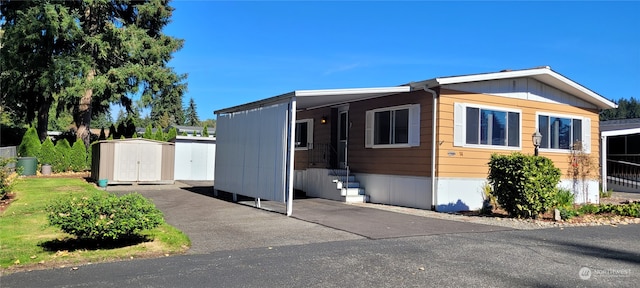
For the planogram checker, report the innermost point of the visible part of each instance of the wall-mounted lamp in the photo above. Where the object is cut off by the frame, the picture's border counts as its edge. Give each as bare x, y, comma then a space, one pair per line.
536, 138
323, 120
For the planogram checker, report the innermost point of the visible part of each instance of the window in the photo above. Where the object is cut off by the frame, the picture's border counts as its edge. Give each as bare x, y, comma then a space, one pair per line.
486, 126
562, 132
304, 134
393, 127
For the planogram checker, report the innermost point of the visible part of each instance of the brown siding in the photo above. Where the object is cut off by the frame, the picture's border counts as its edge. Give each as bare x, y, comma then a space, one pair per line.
472, 162
413, 161
321, 136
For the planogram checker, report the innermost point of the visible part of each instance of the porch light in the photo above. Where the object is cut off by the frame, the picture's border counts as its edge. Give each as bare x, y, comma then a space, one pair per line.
323, 120
536, 138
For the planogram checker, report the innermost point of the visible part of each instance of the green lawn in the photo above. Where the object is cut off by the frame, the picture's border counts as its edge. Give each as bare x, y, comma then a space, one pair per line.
26, 240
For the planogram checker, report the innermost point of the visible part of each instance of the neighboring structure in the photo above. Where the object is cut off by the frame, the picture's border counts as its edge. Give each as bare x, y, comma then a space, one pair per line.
620, 155
191, 129
140, 161
195, 158
425, 144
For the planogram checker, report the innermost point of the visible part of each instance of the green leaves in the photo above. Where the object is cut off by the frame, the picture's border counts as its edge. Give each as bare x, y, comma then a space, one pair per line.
524, 186
102, 217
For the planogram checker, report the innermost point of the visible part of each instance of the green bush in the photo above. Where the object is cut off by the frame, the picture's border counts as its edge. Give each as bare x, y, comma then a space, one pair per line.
523, 185
62, 156
589, 209
6, 178
101, 217
47, 152
78, 156
173, 132
568, 213
148, 132
564, 198
205, 133
30, 145
159, 134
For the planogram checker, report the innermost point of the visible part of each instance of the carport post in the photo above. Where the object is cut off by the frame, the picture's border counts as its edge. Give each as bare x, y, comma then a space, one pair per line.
290, 155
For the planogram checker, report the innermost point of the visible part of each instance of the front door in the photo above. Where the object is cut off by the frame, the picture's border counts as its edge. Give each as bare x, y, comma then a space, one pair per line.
343, 136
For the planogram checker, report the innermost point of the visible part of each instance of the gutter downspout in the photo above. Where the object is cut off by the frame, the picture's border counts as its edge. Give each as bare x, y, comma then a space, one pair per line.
434, 141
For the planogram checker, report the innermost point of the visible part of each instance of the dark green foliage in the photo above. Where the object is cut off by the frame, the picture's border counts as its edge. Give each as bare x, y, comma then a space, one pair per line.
113, 134
173, 132
104, 217
148, 133
78, 156
159, 134
90, 155
102, 136
30, 145
191, 115
47, 153
629, 209
523, 185
63, 153
627, 109
205, 133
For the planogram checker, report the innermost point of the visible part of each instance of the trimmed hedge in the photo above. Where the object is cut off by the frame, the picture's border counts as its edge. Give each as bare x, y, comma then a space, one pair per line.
48, 152
62, 153
30, 145
78, 156
523, 185
104, 217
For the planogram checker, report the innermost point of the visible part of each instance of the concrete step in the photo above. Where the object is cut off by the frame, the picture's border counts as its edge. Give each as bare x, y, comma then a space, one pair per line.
351, 192
340, 185
356, 199
350, 178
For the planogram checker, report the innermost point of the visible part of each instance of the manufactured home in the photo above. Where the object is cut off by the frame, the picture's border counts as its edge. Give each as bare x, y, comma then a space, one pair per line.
424, 144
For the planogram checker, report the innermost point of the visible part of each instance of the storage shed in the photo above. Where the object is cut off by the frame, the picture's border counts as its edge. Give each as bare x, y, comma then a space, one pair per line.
133, 161
195, 158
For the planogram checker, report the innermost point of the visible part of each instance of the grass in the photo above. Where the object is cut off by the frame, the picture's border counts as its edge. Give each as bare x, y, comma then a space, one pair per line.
28, 242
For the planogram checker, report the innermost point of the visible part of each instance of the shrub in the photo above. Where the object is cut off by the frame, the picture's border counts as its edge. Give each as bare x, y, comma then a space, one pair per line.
159, 134
568, 213
101, 217
148, 133
606, 194
173, 132
6, 176
62, 156
78, 156
47, 152
564, 198
90, 155
524, 186
589, 209
30, 145
205, 133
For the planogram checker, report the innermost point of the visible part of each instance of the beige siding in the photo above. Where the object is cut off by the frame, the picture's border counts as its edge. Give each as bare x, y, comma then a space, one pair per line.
168, 161
465, 162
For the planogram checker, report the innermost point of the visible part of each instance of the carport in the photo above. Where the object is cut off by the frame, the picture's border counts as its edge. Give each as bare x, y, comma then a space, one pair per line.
255, 141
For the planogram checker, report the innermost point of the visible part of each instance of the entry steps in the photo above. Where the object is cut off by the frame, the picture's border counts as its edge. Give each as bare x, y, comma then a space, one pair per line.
349, 187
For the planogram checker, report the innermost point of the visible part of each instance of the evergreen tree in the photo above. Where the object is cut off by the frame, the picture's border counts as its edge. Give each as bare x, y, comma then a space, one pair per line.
173, 132
159, 134
89, 54
30, 145
113, 134
47, 153
191, 115
78, 156
102, 136
205, 133
148, 133
63, 153
135, 135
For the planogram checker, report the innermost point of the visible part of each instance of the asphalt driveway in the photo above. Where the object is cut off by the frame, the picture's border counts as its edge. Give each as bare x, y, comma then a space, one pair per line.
217, 224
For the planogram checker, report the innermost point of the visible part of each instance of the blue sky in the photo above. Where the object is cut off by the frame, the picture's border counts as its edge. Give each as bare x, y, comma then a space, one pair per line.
237, 52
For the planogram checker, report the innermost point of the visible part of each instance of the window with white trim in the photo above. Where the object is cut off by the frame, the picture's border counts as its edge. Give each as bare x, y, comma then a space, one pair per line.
391, 127
561, 132
304, 134
476, 125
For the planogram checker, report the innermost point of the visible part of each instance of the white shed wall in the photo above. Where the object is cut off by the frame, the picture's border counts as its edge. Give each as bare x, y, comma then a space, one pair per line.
195, 160
251, 152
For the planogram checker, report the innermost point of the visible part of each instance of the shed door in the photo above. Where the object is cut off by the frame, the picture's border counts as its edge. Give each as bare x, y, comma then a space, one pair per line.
183, 161
150, 159
199, 157
126, 162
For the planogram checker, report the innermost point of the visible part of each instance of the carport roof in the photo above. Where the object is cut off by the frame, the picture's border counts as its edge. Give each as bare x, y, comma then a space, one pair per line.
307, 99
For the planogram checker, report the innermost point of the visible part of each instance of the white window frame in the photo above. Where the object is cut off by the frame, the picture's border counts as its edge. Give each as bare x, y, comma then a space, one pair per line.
586, 131
309, 134
460, 126
414, 127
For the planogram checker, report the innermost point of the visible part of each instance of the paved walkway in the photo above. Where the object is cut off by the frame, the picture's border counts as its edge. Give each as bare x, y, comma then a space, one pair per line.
216, 224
